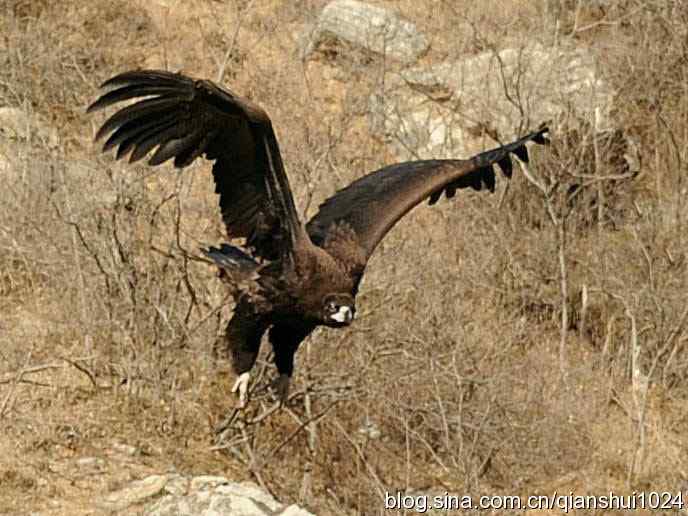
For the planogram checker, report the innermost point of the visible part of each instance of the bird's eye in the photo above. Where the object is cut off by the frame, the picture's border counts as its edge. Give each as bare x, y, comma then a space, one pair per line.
332, 307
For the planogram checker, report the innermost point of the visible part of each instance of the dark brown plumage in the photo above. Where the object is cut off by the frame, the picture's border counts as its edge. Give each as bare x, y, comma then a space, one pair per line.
287, 278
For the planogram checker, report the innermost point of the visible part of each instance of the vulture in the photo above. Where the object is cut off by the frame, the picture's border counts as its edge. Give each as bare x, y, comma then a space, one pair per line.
286, 277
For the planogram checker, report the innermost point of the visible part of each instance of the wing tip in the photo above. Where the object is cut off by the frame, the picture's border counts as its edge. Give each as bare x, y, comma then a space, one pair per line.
142, 74
483, 176
542, 135
140, 77
94, 106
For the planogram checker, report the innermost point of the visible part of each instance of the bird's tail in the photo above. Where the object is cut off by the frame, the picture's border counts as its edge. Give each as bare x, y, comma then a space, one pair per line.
236, 267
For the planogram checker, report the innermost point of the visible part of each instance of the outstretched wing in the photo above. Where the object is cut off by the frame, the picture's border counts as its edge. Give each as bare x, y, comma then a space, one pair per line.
371, 205
184, 118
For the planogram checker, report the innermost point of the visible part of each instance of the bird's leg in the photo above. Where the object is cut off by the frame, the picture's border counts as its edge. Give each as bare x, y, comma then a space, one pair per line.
242, 337
241, 386
285, 339
280, 387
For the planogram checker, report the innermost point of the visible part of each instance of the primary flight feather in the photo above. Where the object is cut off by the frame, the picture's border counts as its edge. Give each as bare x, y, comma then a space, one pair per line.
287, 278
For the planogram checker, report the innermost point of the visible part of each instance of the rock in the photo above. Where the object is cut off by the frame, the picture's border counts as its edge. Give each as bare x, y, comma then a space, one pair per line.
207, 481
135, 493
17, 124
177, 485
447, 109
294, 510
125, 449
368, 27
250, 490
217, 496
370, 430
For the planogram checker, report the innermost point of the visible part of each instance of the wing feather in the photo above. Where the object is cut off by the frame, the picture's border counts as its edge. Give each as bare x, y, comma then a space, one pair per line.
147, 141
144, 108
372, 205
132, 130
129, 92
182, 119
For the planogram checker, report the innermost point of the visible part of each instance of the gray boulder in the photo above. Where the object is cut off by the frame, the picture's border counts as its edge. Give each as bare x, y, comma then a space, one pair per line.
217, 496
133, 494
446, 110
371, 28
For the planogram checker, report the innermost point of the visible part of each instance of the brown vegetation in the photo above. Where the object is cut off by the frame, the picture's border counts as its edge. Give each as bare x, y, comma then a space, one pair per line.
461, 373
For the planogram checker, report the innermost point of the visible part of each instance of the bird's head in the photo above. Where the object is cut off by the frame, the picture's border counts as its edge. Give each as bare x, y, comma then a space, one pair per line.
338, 310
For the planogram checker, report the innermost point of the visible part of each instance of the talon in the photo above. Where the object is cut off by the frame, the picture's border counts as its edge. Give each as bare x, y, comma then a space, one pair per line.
241, 385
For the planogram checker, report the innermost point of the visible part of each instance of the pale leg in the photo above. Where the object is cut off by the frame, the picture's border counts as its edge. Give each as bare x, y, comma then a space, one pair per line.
241, 385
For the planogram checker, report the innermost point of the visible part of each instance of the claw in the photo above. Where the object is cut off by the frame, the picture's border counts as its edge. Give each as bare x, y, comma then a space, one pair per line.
241, 385
280, 387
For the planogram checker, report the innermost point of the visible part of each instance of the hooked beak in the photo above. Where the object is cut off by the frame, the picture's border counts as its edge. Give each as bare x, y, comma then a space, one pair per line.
344, 315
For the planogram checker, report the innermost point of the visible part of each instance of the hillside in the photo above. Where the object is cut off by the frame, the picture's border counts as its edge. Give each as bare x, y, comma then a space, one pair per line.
515, 343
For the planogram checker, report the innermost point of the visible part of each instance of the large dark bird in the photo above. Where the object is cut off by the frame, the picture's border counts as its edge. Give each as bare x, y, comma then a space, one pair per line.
286, 278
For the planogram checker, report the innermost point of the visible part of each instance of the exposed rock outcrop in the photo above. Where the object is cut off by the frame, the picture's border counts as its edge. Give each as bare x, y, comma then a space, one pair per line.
197, 496
368, 27
446, 109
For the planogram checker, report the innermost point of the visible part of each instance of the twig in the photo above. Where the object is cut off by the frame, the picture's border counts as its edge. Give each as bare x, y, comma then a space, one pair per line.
253, 463
37, 369
84, 370
559, 223
6, 402
379, 485
604, 23
298, 430
639, 389
27, 382
230, 48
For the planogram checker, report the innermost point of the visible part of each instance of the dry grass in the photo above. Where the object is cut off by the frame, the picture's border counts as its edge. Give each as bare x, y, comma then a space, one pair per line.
457, 356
